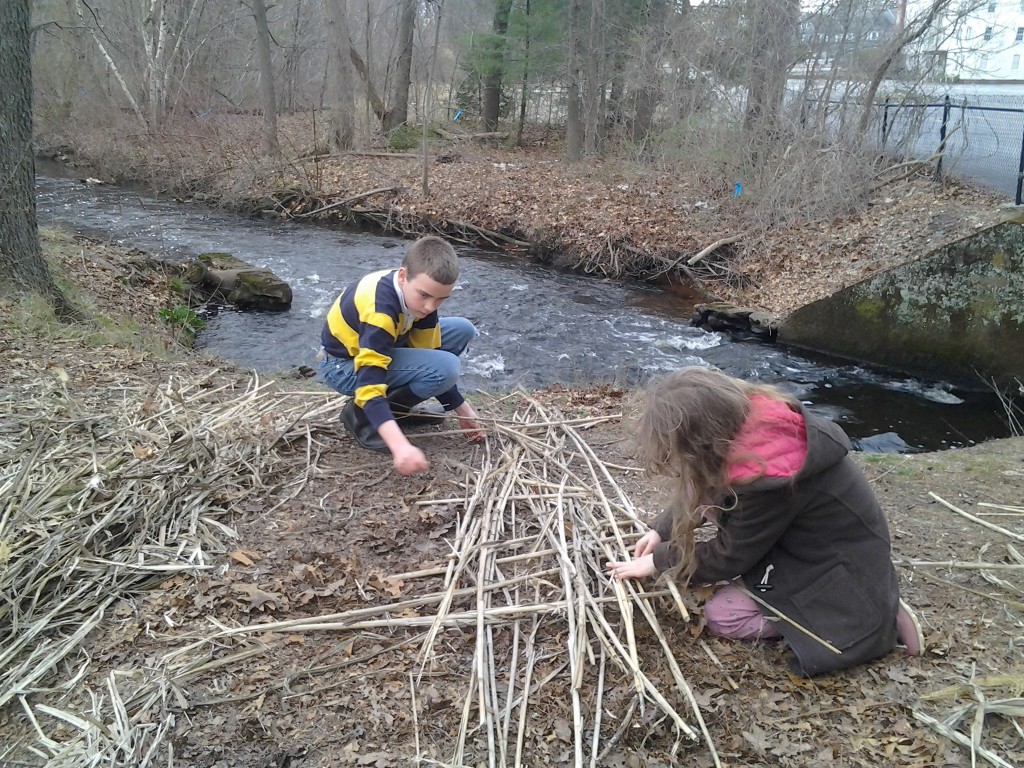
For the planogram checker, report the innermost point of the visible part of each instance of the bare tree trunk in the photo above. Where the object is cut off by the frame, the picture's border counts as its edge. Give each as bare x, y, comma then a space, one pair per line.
22, 266
526, 76
593, 80
428, 103
908, 34
398, 114
649, 93
269, 127
341, 134
114, 70
372, 97
574, 116
495, 65
775, 28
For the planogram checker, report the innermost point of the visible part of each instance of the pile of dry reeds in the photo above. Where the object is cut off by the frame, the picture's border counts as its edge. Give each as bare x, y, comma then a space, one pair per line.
542, 515
105, 493
130, 502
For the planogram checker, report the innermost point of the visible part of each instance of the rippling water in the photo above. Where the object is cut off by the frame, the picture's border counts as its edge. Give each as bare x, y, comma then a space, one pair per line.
537, 326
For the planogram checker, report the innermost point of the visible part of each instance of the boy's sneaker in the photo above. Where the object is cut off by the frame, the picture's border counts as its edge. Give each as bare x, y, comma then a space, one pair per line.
410, 409
357, 425
908, 630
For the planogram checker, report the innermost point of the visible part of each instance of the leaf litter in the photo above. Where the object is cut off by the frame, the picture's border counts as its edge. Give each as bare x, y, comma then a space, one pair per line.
254, 590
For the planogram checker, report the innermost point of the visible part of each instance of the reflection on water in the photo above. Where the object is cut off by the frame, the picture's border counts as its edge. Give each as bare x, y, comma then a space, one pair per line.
537, 326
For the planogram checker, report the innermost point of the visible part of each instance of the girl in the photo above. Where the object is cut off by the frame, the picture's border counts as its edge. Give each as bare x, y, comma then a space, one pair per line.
799, 527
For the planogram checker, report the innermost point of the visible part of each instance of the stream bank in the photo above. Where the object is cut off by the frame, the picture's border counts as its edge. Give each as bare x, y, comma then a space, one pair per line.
330, 536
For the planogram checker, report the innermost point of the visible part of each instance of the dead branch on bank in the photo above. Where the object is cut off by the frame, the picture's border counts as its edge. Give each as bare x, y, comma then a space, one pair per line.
460, 231
348, 201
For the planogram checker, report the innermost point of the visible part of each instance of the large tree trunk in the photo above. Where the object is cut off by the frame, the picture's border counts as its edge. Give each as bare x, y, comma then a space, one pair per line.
649, 93
593, 79
524, 91
574, 113
398, 114
495, 63
269, 126
775, 28
22, 266
342, 122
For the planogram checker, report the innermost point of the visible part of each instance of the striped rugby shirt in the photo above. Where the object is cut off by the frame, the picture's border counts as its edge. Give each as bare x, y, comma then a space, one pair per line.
364, 324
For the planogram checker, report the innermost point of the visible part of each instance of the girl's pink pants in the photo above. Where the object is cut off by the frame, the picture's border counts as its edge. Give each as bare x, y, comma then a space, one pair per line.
731, 613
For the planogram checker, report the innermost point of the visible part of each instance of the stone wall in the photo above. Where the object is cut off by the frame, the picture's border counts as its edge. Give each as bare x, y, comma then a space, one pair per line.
957, 314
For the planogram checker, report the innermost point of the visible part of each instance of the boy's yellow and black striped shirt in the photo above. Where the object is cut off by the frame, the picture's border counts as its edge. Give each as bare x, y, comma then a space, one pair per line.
364, 324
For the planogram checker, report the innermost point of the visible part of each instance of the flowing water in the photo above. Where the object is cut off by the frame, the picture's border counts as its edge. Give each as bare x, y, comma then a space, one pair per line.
537, 325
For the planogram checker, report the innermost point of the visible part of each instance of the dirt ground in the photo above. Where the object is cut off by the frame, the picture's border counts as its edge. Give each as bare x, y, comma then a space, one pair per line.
357, 536
354, 526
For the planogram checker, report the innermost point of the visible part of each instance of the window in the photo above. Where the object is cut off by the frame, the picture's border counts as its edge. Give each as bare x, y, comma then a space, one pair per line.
1016, 61
983, 64
991, 7
1020, 34
988, 33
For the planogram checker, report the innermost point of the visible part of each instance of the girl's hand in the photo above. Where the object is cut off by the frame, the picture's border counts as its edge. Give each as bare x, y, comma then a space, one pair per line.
647, 543
633, 569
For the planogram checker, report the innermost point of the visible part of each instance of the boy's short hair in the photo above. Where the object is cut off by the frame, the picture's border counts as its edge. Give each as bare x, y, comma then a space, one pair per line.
433, 256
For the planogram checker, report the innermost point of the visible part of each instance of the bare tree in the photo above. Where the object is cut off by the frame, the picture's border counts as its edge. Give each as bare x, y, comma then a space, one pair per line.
652, 47
774, 30
398, 114
574, 111
495, 64
269, 126
148, 47
342, 130
910, 31
22, 266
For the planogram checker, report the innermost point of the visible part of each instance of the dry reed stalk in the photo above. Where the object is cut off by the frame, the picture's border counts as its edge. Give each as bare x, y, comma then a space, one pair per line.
978, 520
176, 456
1005, 507
963, 565
788, 620
953, 734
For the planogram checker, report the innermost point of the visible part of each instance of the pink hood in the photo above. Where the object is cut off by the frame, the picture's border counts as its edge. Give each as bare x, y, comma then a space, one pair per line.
772, 433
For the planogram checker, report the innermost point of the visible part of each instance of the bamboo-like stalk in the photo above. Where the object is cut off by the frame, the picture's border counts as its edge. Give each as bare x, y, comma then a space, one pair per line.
960, 564
978, 520
961, 739
791, 622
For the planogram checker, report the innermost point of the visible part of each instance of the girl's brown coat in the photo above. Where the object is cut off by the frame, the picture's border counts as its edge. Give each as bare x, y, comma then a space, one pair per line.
815, 547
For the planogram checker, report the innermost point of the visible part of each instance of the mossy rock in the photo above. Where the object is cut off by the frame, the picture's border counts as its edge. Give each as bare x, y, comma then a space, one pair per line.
221, 277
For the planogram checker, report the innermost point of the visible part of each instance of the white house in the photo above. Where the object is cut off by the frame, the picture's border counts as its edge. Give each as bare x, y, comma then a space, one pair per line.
985, 44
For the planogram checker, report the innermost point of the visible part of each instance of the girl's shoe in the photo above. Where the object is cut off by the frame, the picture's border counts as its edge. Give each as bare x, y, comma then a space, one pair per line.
908, 630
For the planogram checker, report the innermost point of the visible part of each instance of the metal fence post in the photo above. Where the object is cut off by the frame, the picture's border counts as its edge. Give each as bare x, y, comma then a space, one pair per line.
1020, 171
885, 121
942, 137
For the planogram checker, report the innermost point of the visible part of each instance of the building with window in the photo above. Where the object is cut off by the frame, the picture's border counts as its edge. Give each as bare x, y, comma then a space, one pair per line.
986, 44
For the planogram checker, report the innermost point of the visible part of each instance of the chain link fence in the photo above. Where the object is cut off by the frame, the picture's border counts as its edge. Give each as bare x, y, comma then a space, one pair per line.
981, 140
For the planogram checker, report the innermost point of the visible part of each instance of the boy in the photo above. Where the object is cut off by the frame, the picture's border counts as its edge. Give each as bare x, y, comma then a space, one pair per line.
384, 345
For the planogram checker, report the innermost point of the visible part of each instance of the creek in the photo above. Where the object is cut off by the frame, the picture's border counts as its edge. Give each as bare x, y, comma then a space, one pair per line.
538, 326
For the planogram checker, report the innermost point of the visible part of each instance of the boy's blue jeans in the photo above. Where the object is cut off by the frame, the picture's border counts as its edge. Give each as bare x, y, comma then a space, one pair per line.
427, 372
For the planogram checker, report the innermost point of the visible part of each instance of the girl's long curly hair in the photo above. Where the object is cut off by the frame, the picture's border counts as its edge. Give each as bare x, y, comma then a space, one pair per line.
688, 422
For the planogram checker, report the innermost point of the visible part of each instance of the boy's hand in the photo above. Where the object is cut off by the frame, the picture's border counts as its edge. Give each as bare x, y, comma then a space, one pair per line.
406, 457
409, 460
633, 569
469, 423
